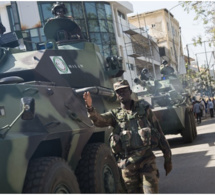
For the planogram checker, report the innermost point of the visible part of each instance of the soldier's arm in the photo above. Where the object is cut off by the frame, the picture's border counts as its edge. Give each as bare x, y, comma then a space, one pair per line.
163, 143
99, 120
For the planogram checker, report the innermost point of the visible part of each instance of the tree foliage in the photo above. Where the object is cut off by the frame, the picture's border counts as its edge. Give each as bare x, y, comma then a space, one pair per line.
198, 82
205, 13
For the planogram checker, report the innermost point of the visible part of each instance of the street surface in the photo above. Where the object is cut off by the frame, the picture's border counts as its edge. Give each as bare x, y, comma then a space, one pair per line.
193, 164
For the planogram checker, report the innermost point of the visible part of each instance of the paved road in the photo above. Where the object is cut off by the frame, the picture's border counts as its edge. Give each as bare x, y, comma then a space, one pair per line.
193, 164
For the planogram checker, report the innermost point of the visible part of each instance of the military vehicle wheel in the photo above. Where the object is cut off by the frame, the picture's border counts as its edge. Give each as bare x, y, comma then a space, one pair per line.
97, 171
187, 133
50, 175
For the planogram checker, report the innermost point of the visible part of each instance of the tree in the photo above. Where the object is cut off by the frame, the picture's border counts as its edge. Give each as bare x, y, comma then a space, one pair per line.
198, 82
205, 12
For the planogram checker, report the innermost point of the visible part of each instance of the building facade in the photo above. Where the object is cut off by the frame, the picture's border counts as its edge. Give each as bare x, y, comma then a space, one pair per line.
143, 49
162, 25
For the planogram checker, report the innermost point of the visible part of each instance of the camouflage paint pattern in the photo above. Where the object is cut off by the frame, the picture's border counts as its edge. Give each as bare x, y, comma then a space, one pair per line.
169, 102
60, 126
137, 161
144, 172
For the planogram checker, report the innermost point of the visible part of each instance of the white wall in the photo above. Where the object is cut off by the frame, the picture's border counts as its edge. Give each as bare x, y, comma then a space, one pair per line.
120, 25
4, 15
26, 9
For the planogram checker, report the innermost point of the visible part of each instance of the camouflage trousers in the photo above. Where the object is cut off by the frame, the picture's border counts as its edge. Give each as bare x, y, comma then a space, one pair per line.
141, 177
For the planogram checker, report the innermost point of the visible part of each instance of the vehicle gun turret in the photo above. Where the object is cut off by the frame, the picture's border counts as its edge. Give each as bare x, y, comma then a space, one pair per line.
169, 101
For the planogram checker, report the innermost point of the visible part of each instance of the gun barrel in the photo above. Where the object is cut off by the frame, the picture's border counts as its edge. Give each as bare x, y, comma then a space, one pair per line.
97, 91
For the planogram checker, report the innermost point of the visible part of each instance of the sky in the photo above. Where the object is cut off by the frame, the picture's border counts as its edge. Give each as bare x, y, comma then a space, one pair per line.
189, 27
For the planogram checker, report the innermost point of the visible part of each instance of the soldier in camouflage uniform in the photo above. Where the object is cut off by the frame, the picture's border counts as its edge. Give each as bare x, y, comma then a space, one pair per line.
136, 132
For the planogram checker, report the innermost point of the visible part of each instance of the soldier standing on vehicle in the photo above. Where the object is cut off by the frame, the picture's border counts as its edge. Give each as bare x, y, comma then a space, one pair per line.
59, 10
167, 70
135, 132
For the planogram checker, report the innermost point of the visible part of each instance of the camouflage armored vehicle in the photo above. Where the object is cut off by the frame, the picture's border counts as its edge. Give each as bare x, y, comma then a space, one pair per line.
170, 103
47, 142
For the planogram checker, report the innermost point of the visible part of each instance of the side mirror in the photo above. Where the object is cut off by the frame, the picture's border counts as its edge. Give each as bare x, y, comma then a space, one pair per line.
28, 104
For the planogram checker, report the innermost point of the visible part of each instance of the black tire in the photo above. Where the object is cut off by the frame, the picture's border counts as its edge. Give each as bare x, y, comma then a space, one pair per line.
97, 171
187, 133
50, 175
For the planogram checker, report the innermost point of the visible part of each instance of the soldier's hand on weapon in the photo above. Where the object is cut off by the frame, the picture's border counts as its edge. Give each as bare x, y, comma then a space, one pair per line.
168, 166
87, 99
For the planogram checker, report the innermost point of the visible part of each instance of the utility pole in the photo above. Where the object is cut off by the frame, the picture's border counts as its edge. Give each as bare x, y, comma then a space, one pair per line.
197, 63
173, 41
208, 70
188, 56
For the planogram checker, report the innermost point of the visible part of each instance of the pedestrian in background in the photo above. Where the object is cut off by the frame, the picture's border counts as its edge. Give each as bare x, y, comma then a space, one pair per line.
202, 108
213, 100
197, 111
211, 108
205, 105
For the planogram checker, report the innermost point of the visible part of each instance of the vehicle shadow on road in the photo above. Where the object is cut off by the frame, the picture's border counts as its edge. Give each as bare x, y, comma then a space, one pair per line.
178, 141
193, 163
192, 173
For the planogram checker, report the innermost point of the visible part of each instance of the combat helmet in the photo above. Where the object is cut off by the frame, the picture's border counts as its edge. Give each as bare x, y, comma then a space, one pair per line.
59, 5
144, 74
164, 62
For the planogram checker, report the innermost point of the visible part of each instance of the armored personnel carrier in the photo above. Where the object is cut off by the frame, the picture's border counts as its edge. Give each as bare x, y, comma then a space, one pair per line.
170, 103
47, 142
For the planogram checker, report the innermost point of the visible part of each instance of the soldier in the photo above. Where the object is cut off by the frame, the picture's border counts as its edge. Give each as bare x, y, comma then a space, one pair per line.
59, 10
135, 132
167, 70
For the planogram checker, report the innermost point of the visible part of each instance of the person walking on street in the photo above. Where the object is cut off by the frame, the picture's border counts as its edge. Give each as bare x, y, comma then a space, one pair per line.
197, 111
213, 100
135, 133
206, 105
211, 108
202, 108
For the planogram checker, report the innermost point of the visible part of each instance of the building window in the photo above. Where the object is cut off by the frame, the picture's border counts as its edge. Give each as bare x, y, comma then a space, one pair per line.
13, 24
94, 18
162, 51
173, 31
167, 26
100, 22
45, 12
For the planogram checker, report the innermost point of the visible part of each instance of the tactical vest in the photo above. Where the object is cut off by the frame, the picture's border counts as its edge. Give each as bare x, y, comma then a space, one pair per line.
133, 131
